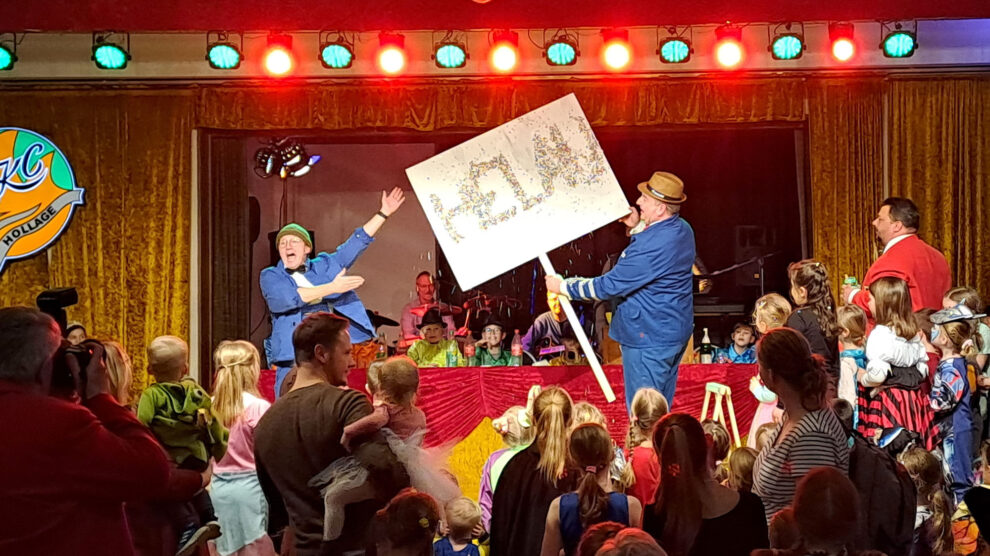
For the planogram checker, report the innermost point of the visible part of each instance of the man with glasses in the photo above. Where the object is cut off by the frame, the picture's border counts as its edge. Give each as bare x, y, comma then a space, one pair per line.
298, 285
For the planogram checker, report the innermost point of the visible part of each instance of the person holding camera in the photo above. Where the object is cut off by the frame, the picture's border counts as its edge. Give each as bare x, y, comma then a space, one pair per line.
67, 467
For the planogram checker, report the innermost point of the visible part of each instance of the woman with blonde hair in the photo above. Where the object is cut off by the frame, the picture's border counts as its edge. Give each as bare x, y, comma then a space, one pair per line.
240, 504
118, 365
533, 478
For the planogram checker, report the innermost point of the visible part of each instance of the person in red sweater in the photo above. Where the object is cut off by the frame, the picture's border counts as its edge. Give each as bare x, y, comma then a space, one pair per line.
67, 468
905, 256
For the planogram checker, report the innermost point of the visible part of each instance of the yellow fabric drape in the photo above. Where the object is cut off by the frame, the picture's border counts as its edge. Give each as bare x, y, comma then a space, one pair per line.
846, 158
127, 249
940, 158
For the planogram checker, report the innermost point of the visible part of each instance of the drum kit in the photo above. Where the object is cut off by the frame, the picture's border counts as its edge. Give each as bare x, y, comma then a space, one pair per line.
476, 309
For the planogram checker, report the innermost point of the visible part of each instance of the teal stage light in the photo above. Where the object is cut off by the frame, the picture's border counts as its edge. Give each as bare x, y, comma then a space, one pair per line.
787, 47
450, 55
7, 58
111, 51
899, 44
336, 56
224, 56
675, 51
562, 52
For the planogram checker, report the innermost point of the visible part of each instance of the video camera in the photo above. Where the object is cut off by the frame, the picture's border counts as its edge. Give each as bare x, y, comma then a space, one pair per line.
53, 303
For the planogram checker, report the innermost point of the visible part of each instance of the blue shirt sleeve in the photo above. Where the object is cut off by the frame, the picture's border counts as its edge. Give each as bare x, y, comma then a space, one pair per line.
280, 294
348, 252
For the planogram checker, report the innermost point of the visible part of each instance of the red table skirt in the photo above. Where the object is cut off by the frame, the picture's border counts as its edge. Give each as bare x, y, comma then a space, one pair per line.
455, 400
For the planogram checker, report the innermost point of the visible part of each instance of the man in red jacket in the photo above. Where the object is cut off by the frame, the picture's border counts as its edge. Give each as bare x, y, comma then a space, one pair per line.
66, 468
905, 256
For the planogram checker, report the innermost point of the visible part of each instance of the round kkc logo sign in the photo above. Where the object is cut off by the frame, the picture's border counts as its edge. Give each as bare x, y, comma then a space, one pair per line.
37, 193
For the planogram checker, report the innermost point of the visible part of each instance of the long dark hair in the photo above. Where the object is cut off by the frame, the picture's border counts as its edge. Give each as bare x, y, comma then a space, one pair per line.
680, 444
591, 451
813, 277
787, 353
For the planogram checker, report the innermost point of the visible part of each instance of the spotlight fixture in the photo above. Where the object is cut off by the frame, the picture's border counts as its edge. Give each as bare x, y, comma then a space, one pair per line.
728, 46
279, 60
899, 42
8, 51
450, 52
840, 33
111, 51
285, 157
787, 43
616, 52
675, 48
336, 50
391, 53
504, 54
562, 49
221, 52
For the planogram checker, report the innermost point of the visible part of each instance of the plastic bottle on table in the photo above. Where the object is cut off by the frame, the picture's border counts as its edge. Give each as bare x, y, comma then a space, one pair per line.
451, 349
381, 352
516, 350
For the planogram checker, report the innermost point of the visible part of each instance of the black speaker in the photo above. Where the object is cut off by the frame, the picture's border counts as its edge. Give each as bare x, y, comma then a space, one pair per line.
273, 249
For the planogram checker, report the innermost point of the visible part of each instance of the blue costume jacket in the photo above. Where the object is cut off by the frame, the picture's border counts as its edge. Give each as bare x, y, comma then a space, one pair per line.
652, 283
288, 309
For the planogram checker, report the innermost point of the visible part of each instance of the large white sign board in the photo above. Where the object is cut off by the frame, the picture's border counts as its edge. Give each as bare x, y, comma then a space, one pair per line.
518, 191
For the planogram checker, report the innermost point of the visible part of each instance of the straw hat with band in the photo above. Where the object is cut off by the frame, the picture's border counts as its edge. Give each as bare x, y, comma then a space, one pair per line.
664, 187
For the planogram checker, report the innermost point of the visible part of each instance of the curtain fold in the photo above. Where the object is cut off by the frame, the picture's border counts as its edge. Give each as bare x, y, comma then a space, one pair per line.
845, 151
940, 158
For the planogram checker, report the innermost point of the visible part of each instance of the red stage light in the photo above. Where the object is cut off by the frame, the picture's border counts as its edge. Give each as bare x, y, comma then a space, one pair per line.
392, 53
728, 46
278, 57
504, 55
841, 35
616, 52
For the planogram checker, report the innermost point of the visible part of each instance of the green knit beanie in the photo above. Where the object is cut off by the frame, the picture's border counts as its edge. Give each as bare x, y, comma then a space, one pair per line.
295, 230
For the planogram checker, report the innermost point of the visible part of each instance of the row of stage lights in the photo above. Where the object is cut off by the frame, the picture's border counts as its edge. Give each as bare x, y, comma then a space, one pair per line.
111, 51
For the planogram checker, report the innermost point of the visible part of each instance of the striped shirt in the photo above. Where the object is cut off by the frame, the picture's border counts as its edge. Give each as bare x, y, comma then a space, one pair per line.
818, 440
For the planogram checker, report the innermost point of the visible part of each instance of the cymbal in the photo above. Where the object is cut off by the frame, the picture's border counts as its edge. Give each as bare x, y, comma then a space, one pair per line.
445, 310
378, 320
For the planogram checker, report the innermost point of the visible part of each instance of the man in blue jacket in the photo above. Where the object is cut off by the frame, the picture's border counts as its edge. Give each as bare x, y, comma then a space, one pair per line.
297, 285
651, 283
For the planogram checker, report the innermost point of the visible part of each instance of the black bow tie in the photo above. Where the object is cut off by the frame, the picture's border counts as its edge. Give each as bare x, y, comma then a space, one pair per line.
300, 269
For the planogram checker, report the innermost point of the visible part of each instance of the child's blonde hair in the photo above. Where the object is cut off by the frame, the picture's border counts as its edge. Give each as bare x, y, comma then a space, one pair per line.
771, 309
648, 406
463, 515
960, 333
763, 433
893, 306
168, 358
373, 377
721, 443
740, 465
515, 426
399, 380
118, 371
853, 319
585, 412
238, 366
552, 412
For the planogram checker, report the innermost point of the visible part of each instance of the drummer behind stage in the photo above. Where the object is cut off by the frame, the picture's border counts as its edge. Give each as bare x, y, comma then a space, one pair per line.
412, 313
297, 286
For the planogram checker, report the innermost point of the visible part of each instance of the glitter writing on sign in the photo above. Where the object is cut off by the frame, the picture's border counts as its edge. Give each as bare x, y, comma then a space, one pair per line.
555, 161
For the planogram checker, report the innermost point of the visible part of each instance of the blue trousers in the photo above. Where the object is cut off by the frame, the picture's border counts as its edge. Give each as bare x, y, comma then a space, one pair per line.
654, 367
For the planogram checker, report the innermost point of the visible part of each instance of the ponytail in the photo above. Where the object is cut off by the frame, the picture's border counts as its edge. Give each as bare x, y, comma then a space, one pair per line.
591, 451
552, 413
647, 407
682, 450
941, 508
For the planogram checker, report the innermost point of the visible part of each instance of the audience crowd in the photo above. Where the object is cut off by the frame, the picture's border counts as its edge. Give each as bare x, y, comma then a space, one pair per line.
869, 438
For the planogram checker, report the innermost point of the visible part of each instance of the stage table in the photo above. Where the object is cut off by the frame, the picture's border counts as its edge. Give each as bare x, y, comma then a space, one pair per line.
457, 400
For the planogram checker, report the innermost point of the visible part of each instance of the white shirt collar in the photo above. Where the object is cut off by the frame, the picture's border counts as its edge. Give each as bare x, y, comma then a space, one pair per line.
895, 241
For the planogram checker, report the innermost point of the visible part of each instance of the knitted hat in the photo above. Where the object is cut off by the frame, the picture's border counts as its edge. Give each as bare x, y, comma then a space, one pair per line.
295, 230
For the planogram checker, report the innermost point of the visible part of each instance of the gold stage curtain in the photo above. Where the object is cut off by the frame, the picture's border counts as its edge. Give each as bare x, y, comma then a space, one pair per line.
940, 158
845, 149
127, 249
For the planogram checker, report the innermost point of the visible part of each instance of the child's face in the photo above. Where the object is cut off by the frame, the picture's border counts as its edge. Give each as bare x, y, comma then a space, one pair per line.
799, 294
941, 339
432, 333
742, 337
